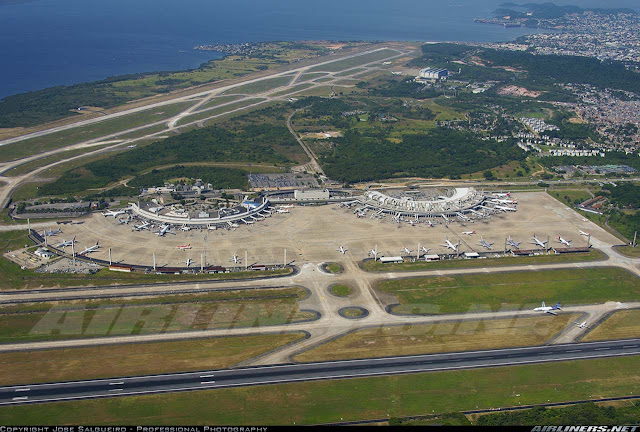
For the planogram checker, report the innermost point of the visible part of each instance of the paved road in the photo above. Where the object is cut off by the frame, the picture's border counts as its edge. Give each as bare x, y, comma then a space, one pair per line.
214, 379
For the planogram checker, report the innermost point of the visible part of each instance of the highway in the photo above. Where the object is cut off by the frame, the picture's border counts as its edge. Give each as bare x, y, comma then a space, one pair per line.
214, 379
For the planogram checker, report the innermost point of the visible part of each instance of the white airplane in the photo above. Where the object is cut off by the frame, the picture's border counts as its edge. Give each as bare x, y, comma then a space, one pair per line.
342, 250
286, 206
501, 195
51, 232
582, 325
184, 247
65, 243
185, 228
113, 213
504, 201
450, 245
586, 234
233, 224
503, 208
564, 242
548, 309
485, 244
164, 229
212, 227
407, 251
281, 210
141, 226
536, 241
236, 259
514, 244
374, 253
431, 224
425, 250
90, 249
469, 232
132, 146
188, 262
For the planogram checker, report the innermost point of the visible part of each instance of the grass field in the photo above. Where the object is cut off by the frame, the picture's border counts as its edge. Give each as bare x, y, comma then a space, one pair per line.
222, 309
624, 324
593, 255
354, 61
629, 251
496, 291
26, 367
79, 134
351, 399
341, 290
311, 76
440, 337
260, 86
334, 268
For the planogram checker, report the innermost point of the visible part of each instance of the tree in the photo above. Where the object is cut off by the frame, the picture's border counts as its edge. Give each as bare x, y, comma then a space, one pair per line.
488, 175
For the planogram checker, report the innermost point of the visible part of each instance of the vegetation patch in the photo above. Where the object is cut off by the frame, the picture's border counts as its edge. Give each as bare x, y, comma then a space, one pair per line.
440, 337
517, 290
69, 364
333, 268
341, 290
623, 324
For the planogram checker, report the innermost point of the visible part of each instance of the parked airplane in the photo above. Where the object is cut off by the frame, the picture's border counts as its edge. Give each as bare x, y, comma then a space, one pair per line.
185, 228
407, 251
548, 309
188, 262
132, 146
586, 234
504, 201
484, 243
431, 224
564, 242
233, 224
113, 213
536, 241
425, 250
514, 244
236, 259
503, 208
184, 247
582, 324
65, 243
165, 229
90, 249
51, 232
450, 245
286, 206
141, 227
374, 253
342, 250
502, 194
469, 232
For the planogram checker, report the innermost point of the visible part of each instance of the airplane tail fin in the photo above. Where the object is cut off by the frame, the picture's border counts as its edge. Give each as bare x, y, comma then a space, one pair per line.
543, 305
557, 306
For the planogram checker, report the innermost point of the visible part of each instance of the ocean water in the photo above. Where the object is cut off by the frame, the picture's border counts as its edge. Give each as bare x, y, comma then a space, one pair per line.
44, 43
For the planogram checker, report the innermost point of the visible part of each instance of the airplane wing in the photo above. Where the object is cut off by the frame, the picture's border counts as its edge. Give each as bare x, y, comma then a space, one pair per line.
551, 312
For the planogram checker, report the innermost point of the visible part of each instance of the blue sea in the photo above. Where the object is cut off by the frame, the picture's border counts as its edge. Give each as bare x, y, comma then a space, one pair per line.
44, 43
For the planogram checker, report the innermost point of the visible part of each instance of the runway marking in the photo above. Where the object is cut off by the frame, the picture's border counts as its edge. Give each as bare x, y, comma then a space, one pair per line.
629, 346
23, 389
601, 349
117, 383
574, 351
20, 398
206, 376
118, 389
207, 382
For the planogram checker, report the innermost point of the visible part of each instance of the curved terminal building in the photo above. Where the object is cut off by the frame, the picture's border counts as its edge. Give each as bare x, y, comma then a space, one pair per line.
409, 203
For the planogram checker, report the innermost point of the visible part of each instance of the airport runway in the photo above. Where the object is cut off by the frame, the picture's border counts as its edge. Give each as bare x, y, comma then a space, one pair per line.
202, 380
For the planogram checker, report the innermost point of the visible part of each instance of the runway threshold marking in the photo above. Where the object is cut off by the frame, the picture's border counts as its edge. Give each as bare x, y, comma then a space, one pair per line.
207, 376
117, 383
207, 382
20, 398
23, 389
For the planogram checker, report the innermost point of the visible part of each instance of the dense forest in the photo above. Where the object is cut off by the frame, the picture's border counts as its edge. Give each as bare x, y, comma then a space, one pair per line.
220, 178
624, 195
613, 158
583, 414
254, 143
439, 153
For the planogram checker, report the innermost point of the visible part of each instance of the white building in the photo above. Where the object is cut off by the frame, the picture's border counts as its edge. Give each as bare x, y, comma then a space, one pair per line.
433, 74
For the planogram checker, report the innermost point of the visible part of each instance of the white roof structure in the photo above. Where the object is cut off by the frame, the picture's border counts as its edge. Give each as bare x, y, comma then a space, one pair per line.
461, 199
